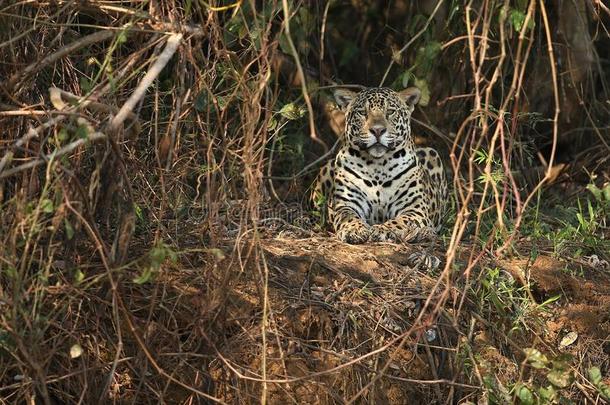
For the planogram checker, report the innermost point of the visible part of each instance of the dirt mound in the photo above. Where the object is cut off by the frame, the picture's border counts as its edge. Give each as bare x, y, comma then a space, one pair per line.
338, 315
584, 287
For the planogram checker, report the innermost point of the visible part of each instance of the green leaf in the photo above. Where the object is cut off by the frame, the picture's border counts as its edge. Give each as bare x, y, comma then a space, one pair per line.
547, 394
232, 29
549, 301
46, 206
560, 378
600, 194
291, 111
422, 85
122, 37
272, 124
534, 253
85, 84
79, 276
138, 211
82, 132
157, 257
606, 191
596, 191
595, 375
201, 101
69, 229
427, 58
517, 18
536, 358
63, 135
221, 102
11, 272
406, 77
502, 13
159, 254
145, 277
306, 19
284, 44
525, 395
562, 362
218, 253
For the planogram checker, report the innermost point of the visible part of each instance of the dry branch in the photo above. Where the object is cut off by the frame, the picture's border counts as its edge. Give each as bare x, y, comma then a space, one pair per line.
65, 51
312, 126
170, 48
8, 156
56, 98
411, 41
94, 137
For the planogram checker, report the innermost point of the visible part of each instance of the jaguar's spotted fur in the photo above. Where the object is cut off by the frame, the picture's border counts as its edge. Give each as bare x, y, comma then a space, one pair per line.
380, 187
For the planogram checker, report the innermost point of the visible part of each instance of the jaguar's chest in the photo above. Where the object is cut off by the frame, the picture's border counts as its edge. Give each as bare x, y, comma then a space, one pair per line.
379, 182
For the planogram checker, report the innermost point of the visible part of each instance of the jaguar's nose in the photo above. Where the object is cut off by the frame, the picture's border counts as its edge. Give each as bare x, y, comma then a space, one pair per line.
377, 131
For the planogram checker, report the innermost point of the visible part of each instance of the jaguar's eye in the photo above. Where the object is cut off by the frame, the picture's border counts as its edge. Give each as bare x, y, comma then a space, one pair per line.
391, 111
359, 113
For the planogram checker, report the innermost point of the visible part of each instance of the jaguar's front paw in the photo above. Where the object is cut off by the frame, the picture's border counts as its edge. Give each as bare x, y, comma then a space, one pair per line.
355, 233
396, 233
425, 234
427, 261
382, 233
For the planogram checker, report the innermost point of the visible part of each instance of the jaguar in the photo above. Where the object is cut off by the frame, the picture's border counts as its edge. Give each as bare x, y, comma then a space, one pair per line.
380, 186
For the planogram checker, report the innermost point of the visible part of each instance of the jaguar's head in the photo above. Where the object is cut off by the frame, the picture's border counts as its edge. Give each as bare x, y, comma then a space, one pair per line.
377, 120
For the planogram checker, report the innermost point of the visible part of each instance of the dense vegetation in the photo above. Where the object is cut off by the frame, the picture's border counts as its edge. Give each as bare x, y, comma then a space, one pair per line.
157, 242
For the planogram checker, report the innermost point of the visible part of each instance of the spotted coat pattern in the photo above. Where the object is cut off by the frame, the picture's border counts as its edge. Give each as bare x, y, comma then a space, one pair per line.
380, 187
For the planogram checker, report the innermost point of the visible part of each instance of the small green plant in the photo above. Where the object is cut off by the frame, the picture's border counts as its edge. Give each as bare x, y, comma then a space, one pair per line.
601, 195
319, 209
500, 296
574, 229
595, 376
579, 230
287, 144
509, 305
496, 175
551, 377
156, 257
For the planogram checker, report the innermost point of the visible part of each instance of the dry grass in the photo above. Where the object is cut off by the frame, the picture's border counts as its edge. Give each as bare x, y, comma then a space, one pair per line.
154, 243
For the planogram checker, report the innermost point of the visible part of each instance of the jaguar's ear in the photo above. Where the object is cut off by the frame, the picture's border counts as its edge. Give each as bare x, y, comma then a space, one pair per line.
343, 97
410, 96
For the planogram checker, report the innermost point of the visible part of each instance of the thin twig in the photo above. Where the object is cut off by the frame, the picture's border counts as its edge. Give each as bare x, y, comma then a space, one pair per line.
90, 39
84, 102
413, 39
32, 133
94, 137
549, 41
8, 156
312, 127
307, 168
549, 171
